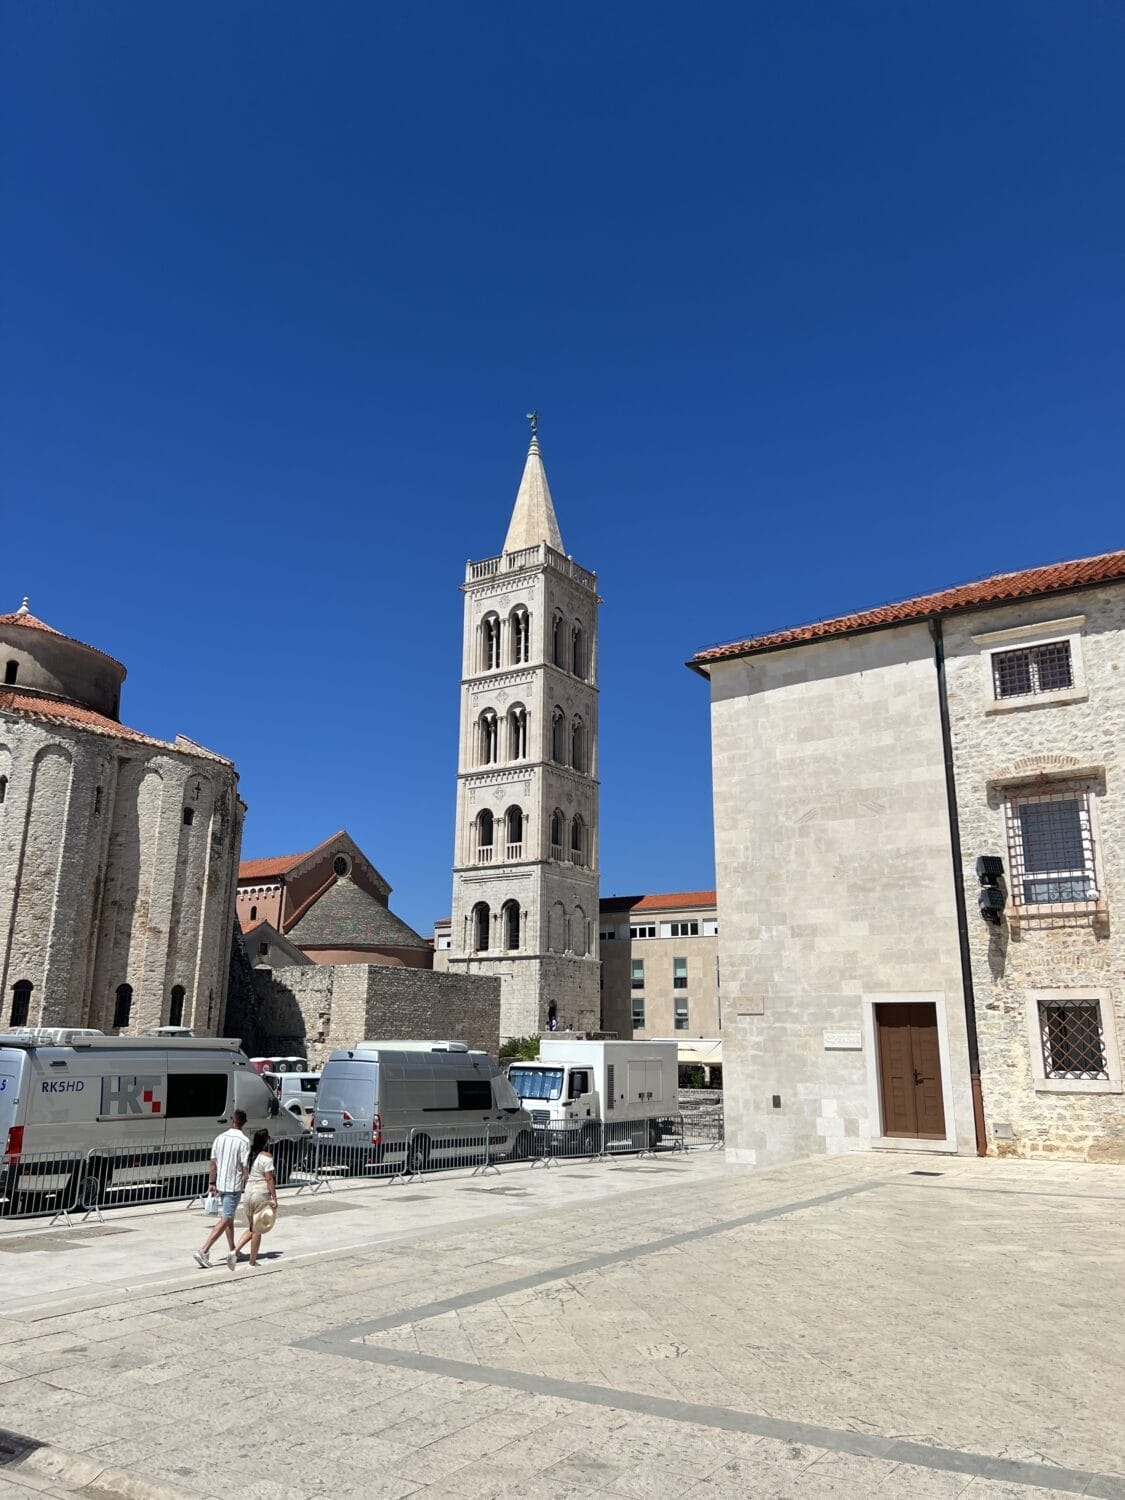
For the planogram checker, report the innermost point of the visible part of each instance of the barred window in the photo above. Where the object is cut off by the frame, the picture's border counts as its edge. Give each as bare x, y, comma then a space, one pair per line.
1073, 1039
1032, 669
1051, 848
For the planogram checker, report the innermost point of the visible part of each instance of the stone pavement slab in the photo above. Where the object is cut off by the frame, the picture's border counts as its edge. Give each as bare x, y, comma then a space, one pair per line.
836, 1328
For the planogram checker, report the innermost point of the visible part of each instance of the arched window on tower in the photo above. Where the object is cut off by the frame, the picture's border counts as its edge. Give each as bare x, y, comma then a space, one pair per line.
489, 748
517, 732
21, 1003
481, 923
176, 1006
253, 914
578, 650
558, 645
577, 842
558, 832
486, 830
510, 923
123, 1005
11, 672
189, 816
490, 643
558, 737
513, 833
578, 744
519, 635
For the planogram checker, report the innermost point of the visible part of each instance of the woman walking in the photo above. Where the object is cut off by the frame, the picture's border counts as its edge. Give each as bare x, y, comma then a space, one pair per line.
261, 1195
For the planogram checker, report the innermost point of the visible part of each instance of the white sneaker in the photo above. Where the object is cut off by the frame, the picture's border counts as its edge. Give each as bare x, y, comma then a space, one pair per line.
203, 1260
232, 1261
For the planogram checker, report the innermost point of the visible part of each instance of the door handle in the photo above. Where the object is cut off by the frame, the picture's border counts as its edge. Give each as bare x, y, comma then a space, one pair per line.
917, 1076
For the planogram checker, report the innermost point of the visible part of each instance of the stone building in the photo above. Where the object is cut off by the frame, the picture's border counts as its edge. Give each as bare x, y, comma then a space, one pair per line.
660, 969
882, 989
117, 851
330, 904
525, 877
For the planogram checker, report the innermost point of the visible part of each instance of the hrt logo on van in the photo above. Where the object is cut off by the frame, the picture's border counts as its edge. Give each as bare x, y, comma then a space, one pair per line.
139, 1095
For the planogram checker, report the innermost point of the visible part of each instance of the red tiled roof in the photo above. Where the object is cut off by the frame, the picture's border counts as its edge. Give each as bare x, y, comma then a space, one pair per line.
30, 622
280, 864
46, 709
1029, 583
670, 901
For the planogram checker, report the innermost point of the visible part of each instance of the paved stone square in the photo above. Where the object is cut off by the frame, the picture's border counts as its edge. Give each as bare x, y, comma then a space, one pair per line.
872, 1325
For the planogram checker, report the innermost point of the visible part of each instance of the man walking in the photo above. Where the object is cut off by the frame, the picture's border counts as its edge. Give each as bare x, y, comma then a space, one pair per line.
230, 1158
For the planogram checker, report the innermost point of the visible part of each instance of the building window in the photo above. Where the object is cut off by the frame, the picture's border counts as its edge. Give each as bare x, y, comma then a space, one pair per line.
176, 1005
263, 950
679, 929
1072, 1039
341, 866
643, 930
482, 922
253, 913
578, 745
710, 927
1032, 670
488, 738
558, 737
485, 827
490, 643
1051, 849
513, 830
679, 973
4, 789
558, 644
517, 732
558, 823
607, 934
681, 1020
637, 974
578, 651
519, 635
510, 918
123, 1005
11, 672
21, 1003
638, 1012
97, 800
189, 816
444, 943
577, 842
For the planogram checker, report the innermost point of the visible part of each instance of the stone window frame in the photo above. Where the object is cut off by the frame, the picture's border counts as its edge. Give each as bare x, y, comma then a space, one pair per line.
1084, 788
1071, 630
1044, 1085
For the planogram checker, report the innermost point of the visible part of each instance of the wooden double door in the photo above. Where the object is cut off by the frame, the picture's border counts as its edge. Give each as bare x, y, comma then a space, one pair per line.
910, 1070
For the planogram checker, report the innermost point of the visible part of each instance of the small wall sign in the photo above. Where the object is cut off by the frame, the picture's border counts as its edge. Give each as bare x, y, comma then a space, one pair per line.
843, 1041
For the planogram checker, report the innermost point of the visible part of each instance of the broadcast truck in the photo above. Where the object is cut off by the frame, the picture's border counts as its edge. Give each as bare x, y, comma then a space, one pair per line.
617, 1092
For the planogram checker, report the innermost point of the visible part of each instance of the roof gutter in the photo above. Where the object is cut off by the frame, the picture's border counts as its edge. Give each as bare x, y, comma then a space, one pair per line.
968, 995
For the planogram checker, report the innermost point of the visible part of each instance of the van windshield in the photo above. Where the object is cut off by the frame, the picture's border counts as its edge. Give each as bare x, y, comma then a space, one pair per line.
536, 1083
347, 1093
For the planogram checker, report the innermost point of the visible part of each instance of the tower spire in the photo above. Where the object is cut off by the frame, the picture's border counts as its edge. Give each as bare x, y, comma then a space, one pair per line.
533, 516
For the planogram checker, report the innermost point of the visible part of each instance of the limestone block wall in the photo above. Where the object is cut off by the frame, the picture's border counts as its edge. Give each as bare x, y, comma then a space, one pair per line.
834, 885
316, 1009
1041, 746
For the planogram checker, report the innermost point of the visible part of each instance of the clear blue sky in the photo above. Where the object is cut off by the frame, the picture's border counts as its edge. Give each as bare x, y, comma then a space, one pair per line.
822, 304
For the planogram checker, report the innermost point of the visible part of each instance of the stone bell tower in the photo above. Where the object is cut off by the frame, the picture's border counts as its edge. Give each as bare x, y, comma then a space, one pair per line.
525, 870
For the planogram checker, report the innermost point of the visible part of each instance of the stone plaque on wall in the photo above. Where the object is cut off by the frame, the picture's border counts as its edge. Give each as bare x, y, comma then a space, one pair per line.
843, 1041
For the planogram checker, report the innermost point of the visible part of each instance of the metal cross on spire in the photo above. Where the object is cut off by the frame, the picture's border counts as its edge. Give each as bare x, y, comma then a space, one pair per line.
533, 418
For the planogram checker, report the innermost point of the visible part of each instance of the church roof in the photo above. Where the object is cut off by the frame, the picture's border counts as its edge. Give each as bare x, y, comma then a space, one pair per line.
45, 708
533, 517
1028, 583
24, 618
281, 864
346, 916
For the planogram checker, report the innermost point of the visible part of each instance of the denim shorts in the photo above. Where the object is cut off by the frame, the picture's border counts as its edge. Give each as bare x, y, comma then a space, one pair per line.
230, 1204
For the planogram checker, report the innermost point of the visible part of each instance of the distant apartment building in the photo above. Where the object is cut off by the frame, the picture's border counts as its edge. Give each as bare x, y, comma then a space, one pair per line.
920, 854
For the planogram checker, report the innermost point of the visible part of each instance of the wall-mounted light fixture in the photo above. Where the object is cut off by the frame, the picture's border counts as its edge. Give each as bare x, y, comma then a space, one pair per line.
991, 898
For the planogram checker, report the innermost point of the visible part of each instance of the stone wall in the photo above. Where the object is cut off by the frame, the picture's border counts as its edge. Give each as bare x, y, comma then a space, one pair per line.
317, 1008
835, 887
1044, 744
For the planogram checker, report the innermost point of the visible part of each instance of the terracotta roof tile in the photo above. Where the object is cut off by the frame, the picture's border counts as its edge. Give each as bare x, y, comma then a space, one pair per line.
46, 709
1029, 583
667, 901
30, 622
281, 864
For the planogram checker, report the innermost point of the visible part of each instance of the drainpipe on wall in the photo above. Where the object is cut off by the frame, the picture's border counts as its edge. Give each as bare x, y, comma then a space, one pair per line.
959, 891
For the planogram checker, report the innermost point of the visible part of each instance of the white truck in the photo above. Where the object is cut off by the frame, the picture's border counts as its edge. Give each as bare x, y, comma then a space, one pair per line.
616, 1092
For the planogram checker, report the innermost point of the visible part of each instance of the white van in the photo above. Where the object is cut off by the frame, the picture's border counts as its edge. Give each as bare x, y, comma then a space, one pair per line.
296, 1092
415, 1103
107, 1118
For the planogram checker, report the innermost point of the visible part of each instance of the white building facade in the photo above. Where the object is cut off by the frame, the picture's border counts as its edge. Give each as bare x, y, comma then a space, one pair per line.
880, 989
525, 878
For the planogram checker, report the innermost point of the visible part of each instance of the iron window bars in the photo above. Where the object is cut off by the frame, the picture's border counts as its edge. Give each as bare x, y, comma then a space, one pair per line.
1073, 1039
1051, 849
1032, 670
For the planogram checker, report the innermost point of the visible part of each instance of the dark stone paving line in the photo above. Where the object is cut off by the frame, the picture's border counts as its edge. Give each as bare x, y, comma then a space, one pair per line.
463, 1300
967, 1187
727, 1419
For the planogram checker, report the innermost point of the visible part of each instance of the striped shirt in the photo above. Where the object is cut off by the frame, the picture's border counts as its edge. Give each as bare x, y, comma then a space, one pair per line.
230, 1153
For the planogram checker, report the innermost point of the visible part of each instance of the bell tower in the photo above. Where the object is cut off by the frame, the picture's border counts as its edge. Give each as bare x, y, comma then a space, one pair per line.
525, 863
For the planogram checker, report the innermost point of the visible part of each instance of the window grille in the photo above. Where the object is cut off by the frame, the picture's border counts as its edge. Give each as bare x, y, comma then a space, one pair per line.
1032, 669
1073, 1039
1051, 849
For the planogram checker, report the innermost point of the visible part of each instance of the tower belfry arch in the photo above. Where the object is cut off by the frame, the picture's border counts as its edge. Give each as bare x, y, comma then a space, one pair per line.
525, 863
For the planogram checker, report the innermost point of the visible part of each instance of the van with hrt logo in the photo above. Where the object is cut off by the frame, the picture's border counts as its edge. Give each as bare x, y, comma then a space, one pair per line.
89, 1119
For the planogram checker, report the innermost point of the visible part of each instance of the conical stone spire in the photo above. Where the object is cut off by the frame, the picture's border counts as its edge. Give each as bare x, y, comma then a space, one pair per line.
533, 518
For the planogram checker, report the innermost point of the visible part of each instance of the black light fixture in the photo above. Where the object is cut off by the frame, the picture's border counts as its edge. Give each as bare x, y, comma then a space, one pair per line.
991, 898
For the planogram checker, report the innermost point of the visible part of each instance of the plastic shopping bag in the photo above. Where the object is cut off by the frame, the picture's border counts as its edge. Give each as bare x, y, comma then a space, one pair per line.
211, 1204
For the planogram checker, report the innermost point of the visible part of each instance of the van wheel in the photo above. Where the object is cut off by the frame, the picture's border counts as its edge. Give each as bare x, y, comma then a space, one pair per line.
88, 1184
282, 1162
418, 1154
523, 1146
